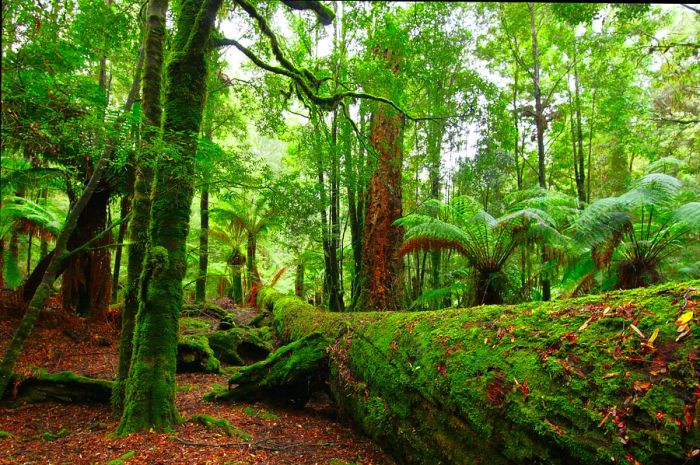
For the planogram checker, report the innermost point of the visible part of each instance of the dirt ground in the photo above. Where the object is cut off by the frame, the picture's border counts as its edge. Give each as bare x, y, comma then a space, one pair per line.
54, 433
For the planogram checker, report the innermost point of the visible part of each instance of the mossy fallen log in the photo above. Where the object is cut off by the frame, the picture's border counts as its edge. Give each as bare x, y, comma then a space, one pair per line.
226, 319
292, 372
595, 380
65, 386
195, 355
241, 346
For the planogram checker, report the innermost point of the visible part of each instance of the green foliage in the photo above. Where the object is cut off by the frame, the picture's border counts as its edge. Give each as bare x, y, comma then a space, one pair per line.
639, 229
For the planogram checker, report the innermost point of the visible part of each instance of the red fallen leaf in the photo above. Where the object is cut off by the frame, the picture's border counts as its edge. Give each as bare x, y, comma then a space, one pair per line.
570, 336
495, 392
441, 369
631, 459
641, 387
525, 389
688, 417
660, 415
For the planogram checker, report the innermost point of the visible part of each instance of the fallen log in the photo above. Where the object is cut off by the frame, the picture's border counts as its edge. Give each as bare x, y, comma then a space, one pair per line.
195, 355
241, 346
595, 380
65, 386
292, 372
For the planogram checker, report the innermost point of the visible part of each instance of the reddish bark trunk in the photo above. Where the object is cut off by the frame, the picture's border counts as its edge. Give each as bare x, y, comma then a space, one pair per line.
381, 263
87, 280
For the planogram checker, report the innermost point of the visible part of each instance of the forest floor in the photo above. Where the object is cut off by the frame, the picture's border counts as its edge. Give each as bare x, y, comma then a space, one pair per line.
56, 433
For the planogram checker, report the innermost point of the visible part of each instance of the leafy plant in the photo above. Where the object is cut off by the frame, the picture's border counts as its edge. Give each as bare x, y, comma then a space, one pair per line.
486, 242
636, 231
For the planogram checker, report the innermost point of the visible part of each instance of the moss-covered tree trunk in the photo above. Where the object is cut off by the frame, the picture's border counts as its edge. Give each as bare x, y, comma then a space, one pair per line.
595, 380
150, 388
143, 179
201, 285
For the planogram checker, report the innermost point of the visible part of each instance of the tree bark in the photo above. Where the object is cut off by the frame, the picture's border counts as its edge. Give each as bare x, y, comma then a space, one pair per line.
381, 265
201, 285
150, 388
87, 280
540, 121
143, 179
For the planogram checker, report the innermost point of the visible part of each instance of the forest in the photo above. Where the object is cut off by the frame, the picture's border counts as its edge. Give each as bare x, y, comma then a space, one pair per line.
343, 233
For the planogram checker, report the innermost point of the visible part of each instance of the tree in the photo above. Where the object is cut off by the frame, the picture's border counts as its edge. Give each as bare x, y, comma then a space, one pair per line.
150, 387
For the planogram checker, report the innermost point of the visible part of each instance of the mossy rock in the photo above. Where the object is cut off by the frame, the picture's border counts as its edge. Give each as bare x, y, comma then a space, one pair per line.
210, 310
195, 355
65, 386
189, 324
241, 346
291, 373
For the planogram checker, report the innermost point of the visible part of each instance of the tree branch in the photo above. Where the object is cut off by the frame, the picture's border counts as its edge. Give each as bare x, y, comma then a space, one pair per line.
324, 14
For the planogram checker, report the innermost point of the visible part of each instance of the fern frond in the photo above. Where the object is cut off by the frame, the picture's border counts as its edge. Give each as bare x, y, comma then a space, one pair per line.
277, 276
665, 165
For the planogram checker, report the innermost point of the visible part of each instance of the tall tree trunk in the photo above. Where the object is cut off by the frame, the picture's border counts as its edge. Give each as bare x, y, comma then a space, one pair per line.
87, 279
201, 285
150, 390
540, 122
516, 120
436, 130
124, 208
141, 203
581, 180
381, 264
336, 302
354, 179
590, 148
299, 280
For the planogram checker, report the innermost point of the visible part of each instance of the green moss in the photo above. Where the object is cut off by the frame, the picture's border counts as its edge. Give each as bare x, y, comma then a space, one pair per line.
5, 434
224, 425
514, 384
260, 413
193, 324
238, 346
120, 461
53, 436
194, 354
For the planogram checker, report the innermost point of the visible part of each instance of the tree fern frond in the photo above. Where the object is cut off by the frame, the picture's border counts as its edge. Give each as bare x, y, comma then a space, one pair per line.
434, 296
688, 215
22, 211
665, 165
655, 189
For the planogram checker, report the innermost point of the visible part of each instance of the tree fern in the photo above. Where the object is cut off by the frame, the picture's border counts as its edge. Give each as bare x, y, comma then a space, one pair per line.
637, 230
